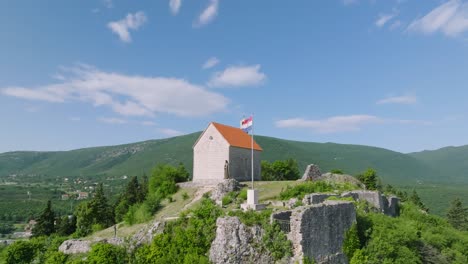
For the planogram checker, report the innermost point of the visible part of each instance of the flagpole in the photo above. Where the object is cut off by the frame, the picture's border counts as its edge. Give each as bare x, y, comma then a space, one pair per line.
251, 145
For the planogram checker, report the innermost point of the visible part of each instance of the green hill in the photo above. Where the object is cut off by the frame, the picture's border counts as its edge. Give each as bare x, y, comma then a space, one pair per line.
140, 157
451, 162
425, 171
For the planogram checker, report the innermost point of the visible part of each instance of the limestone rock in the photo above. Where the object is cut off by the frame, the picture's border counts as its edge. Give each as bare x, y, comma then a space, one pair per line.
341, 178
311, 173
318, 231
146, 235
75, 246
234, 243
224, 188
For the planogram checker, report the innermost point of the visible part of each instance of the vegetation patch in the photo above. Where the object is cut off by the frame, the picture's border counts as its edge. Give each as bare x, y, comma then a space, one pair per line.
302, 189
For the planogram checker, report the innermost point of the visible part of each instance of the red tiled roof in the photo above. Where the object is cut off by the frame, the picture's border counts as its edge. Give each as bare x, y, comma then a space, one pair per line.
236, 137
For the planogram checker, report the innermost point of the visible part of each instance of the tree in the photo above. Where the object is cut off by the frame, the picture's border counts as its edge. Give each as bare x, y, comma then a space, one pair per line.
457, 216
45, 222
370, 179
97, 213
66, 226
101, 211
20, 252
414, 198
280, 170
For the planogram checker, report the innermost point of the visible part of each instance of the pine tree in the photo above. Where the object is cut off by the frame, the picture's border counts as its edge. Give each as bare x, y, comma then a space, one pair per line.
414, 198
102, 212
457, 216
45, 222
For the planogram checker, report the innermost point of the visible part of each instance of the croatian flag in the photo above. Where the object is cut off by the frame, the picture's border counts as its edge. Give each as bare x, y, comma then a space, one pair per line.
246, 124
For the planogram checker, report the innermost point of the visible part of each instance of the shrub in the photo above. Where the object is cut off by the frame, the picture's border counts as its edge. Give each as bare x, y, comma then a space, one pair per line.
302, 189
184, 240
107, 254
276, 242
185, 196
280, 170
337, 171
20, 252
243, 195
351, 242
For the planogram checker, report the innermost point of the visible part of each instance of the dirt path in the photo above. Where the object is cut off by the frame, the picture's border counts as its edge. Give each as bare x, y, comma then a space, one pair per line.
198, 195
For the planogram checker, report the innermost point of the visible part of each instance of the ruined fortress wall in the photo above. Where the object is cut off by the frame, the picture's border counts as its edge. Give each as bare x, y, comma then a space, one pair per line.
318, 231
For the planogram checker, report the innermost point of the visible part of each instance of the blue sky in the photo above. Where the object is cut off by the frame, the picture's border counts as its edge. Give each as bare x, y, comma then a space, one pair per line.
391, 73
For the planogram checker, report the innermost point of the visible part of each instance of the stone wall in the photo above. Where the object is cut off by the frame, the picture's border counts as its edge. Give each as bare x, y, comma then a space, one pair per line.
318, 231
209, 156
240, 164
316, 198
382, 204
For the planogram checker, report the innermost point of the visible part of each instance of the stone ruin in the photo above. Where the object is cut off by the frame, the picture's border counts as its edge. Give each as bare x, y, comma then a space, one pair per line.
235, 243
318, 231
312, 173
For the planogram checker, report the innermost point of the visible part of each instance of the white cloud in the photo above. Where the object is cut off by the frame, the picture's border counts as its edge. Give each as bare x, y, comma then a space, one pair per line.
148, 123
208, 15
396, 24
175, 5
332, 124
384, 18
238, 76
210, 63
405, 99
44, 94
450, 18
125, 94
112, 120
75, 119
130, 22
170, 132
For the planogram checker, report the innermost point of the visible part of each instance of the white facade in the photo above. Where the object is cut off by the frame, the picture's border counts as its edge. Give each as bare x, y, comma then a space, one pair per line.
212, 150
209, 155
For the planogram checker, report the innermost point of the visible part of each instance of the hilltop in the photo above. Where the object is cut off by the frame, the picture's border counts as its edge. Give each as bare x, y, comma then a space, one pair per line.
138, 158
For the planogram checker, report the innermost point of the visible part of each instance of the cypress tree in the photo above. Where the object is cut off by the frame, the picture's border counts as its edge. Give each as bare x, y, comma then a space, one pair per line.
45, 222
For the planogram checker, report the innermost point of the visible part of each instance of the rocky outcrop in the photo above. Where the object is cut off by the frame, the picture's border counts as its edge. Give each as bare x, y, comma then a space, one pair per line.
75, 246
224, 188
318, 231
312, 173
146, 235
235, 243
316, 198
341, 178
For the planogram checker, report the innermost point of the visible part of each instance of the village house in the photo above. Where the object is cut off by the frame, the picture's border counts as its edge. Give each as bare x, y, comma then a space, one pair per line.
222, 152
82, 195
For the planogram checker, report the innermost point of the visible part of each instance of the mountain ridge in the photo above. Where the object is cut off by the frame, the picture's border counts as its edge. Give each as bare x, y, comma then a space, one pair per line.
139, 157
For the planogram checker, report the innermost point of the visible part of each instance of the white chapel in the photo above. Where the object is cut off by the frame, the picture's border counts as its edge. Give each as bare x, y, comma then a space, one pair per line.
224, 151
